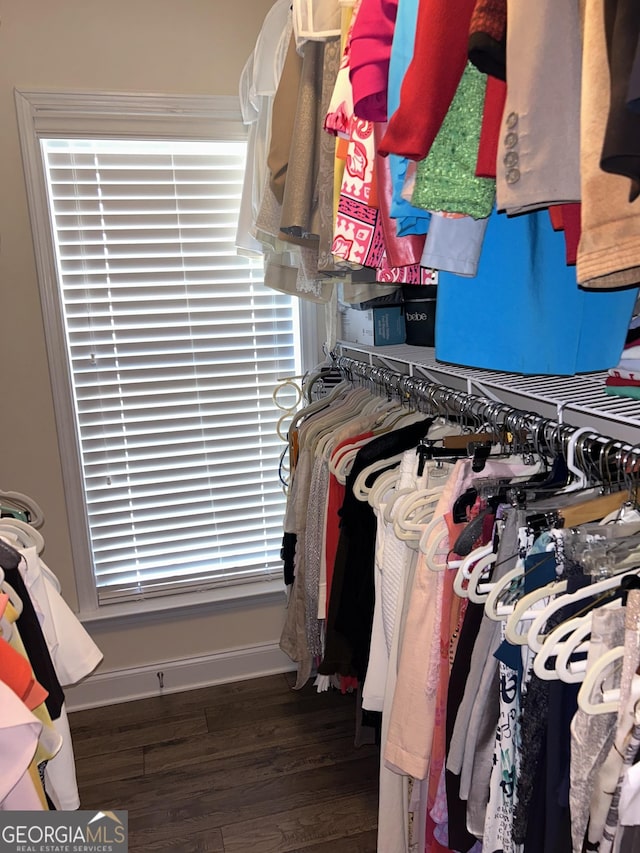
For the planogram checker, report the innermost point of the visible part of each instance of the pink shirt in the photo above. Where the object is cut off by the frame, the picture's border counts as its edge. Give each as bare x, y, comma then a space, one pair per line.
370, 55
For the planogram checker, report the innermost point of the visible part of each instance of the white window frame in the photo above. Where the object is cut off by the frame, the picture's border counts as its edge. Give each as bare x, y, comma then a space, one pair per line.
104, 114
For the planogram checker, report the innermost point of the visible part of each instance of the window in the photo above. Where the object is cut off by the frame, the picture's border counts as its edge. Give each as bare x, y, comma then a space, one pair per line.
172, 350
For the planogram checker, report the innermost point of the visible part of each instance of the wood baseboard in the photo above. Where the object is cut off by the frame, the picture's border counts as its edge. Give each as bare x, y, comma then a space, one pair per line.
140, 682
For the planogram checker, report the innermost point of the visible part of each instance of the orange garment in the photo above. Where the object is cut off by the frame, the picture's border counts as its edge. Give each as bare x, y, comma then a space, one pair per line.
16, 672
453, 609
334, 504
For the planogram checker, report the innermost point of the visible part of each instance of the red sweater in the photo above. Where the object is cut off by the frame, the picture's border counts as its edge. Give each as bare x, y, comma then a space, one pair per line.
431, 81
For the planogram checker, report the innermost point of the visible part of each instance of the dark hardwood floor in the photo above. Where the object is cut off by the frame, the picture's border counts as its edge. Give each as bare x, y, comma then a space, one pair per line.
249, 766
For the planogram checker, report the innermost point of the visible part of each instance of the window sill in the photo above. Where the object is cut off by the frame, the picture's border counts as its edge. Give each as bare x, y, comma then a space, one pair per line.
156, 608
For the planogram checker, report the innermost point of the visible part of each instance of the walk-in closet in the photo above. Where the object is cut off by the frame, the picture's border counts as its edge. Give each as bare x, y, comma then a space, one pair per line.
320, 459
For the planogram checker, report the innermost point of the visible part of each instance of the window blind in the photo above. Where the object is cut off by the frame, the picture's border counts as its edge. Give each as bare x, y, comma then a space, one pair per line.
175, 347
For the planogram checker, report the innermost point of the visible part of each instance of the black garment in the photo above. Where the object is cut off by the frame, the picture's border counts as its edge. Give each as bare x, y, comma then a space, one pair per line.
621, 147
630, 839
350, 615
488, 37
287, 554
633, 93
36, 645
542, 783
551, 798
338, 653
459, 838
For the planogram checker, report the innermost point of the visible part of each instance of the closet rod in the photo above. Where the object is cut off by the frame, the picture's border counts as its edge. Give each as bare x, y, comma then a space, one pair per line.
611, 462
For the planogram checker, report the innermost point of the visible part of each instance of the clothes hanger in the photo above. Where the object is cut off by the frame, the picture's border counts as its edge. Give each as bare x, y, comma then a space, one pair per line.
595, 677
340, 461
581, 481
326, 424
474, 592
437, 431
24, 502
25, 535
338, 464
565, 639
593, 509
416, 499
465, 566
9, 557
535, 637
494, 606
384, 497
434, 544
525, 609
577, 631
398, 416
387, 506
360, 488
345, 460
417, 507
577, 642
320, 404
411, 530
383, 484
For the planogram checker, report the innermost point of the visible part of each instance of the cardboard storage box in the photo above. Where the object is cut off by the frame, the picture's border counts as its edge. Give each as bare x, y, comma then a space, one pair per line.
379, 327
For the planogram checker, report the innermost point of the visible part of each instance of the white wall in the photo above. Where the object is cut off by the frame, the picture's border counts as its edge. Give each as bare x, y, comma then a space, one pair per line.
145, 46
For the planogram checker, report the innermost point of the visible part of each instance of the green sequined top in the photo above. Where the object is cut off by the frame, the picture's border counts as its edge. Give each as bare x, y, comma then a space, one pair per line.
445, 179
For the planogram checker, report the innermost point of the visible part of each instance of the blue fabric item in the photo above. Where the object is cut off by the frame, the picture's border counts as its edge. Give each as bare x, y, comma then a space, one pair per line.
539, 570
510, 656
409, 219
454, 245
524, 312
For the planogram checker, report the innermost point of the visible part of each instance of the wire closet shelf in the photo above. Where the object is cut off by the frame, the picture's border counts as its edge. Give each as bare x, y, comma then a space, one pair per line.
603, 458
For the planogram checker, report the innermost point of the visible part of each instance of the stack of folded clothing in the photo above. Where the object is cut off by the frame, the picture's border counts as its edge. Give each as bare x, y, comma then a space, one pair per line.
624, 379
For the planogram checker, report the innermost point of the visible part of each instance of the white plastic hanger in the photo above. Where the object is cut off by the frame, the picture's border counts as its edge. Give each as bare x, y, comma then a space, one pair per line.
413, 512
340, 462
493, 607
577, 641
385, 483
434, 544
24, 534
394, 499
474, 592
320, 404
435, 522
464, 569
595, 677
360, 489
326, 422
557, 642
535, 637
581, 481
322, 431
21, 501
416, 499
525, 610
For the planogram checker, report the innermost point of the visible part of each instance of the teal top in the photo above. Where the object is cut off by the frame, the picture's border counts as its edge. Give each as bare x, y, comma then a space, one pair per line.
446, 179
